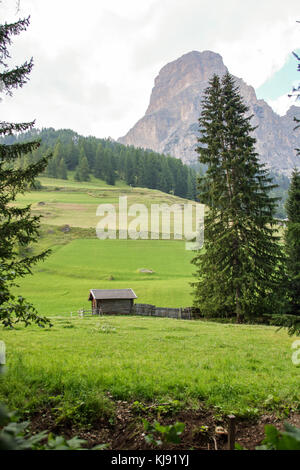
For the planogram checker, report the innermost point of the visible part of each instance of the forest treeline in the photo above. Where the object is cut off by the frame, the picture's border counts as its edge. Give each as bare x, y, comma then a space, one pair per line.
110, 161
107, 160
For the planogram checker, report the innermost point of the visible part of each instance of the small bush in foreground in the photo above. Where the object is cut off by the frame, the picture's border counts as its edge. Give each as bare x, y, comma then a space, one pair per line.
15, 436
166, 434
289, 439
84, 411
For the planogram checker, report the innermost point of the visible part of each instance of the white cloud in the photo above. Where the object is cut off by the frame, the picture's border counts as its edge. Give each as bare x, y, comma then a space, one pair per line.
95, 61
256, 58
282, 104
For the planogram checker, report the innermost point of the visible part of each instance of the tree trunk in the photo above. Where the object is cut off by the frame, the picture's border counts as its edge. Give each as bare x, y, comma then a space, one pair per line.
239, 316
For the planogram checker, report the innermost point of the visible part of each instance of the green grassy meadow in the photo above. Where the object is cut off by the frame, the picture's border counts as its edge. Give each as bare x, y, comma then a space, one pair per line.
80, 261
80, 366
61, 284
239, 369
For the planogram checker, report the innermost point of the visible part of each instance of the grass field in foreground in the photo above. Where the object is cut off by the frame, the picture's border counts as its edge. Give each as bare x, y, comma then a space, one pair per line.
241, 369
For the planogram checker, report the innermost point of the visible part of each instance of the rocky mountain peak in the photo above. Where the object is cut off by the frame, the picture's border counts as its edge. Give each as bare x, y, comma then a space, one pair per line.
293, 111
191, 69
170, 124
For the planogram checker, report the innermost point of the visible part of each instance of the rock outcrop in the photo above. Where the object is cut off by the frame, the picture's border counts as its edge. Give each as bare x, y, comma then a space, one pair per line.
170, 125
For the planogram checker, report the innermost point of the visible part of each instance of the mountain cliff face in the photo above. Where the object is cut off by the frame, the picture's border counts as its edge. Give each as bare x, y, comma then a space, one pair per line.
170, 124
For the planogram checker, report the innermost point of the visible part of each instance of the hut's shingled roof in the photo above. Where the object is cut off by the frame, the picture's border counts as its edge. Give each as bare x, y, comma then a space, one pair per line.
103, 294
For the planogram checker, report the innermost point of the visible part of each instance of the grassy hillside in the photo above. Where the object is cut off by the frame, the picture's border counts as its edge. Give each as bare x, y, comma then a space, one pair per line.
61, 284
80, 261
69, 202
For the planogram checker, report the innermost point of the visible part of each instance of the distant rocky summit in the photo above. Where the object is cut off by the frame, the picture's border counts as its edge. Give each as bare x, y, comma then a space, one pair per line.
170, 125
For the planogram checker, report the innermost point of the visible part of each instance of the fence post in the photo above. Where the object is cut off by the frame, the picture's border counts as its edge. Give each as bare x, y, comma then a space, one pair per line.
231, 432
2, 356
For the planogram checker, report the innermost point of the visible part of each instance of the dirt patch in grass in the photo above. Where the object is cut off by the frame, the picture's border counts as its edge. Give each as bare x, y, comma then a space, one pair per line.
126, 430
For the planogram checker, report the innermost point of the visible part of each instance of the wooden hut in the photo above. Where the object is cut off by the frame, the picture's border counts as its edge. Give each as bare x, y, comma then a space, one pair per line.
112, 301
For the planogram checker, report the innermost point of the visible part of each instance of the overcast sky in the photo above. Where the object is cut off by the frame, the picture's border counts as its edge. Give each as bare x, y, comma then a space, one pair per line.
96, 60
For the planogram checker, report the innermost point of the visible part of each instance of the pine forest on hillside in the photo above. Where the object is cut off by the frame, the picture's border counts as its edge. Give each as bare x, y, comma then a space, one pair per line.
109, 161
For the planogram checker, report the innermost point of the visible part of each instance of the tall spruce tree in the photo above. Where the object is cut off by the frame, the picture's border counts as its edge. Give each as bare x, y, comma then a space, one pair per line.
292, 244
292, 234
239, 270
291, 319
18, 227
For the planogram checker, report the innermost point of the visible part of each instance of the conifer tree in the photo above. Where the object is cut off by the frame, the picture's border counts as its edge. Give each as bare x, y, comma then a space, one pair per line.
82, 171
190, 189
239, 270
129, 169
51, 169
111, 174
292, 235
291, 318
98, 168
62, 170
57, 159
72, 155
292, 245
18, 228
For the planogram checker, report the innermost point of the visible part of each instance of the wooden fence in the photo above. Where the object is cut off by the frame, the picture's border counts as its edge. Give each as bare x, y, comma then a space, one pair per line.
187, 313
